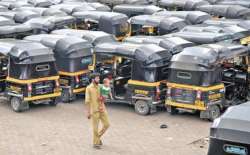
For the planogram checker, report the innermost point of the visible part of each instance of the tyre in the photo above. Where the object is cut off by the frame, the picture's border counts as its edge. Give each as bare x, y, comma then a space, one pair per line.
172, 110
16, 104
65, 96
142, 107
214, 112
53, 102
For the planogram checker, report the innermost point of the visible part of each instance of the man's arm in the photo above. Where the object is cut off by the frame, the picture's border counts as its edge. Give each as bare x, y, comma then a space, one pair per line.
87, 102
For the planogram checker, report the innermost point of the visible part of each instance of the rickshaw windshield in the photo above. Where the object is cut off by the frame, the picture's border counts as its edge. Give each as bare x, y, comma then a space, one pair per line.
121, 29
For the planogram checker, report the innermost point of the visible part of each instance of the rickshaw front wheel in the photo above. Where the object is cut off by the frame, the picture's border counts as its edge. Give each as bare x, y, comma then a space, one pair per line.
172, 110
142, 107
65, 96
214, 112
53, 102
16, 104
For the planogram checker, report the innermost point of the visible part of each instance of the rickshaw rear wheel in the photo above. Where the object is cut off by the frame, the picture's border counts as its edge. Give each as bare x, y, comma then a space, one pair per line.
172, 110
214, 112
16, 104
142, 107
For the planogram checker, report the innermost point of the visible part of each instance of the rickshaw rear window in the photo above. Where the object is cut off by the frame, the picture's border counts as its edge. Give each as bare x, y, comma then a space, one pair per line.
184, 75
164, 70
86, 60
41, 68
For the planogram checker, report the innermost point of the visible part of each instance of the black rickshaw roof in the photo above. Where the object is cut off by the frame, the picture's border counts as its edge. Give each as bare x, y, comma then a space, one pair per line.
235, 31
118, 2
6, 21
14, 29
18, 4
173, 44
114, 17
228, 11
3, 8
233, 125
7, 44
48, 23
185, 4
8, 14
209, 55
53, 12
244, 3
94, 37
229, 22
192, 17
26, 52
40, 3
70, 8
147, 53
136, 9
64, 45
23, 16
43, 11
38, 10
202, 37
99, 6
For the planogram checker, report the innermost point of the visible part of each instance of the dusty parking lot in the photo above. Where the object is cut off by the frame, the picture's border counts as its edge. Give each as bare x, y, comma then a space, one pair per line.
64, 130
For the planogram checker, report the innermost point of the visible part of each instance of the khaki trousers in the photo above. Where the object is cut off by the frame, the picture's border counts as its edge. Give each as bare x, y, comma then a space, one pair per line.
96, 118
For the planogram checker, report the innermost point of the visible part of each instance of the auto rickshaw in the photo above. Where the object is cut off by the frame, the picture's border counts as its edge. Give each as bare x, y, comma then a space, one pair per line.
191, 17
227, 11
155, 25
133, 10
229, 134
109, 22
138, 75
32, 76
73, 56
173, 44
180, 5
199, 81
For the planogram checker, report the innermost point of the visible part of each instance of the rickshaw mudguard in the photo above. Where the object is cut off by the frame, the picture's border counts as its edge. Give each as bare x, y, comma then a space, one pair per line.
40, 97
10, 79
142, 83
73, 73
199, 105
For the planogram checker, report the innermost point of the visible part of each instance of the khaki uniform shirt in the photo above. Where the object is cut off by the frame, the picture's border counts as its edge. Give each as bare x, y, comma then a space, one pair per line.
92, 96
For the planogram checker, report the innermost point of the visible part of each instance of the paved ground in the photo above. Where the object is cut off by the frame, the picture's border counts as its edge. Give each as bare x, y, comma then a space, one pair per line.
64, 130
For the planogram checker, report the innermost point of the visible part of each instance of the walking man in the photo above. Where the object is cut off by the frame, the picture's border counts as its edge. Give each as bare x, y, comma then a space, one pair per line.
96, 111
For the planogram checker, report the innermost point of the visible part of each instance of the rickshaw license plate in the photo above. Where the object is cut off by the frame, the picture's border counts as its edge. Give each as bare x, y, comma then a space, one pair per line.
237, 150
214, 96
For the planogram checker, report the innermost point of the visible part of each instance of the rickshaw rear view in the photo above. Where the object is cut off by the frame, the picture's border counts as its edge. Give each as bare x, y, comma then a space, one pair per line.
32, 75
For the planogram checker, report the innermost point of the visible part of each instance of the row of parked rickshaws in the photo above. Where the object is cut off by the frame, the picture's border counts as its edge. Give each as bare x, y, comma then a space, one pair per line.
181, 54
